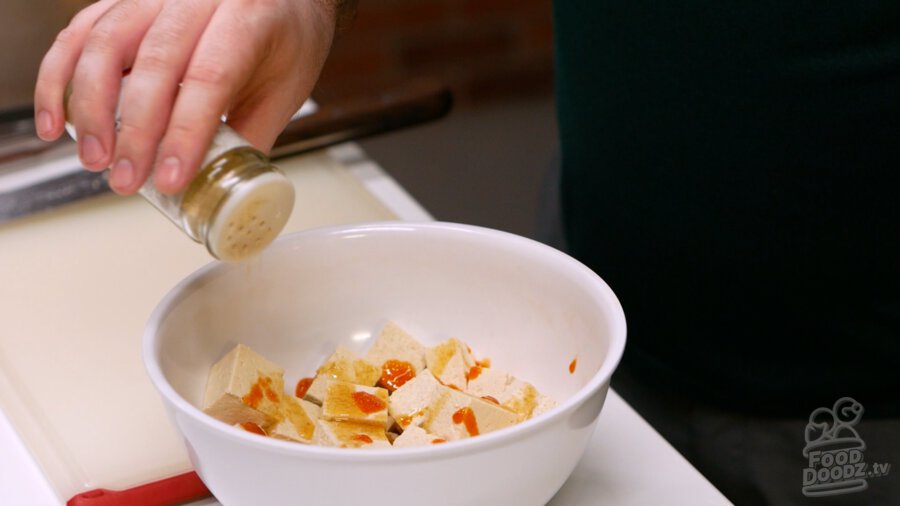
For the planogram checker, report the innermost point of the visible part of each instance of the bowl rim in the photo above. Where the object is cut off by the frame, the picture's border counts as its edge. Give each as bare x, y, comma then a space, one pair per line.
617, 337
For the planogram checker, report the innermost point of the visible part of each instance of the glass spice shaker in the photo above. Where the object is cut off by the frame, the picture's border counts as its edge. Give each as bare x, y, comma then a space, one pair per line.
237, 203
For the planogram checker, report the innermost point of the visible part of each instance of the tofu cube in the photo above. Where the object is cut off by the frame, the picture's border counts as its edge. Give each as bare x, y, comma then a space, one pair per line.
394, 343
244, 387
450, 362
347, 402
298, 422
316, 391
416, 436
350, 435
343, 365
457, 415
509, 392
409, 403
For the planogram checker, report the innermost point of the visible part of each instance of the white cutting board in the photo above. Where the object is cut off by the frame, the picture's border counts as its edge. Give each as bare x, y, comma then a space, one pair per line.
76, 287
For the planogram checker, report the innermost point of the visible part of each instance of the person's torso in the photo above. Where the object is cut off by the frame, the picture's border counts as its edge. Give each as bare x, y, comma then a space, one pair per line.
732, 169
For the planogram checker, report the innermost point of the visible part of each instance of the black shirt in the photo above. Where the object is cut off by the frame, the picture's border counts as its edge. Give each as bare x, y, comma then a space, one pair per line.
732, 170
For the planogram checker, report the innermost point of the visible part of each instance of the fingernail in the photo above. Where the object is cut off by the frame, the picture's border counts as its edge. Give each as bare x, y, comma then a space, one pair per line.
169, 172
91, 150
44, 123
122, 174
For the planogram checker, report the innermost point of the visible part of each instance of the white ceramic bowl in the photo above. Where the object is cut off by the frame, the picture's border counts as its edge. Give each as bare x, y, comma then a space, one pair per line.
528, 307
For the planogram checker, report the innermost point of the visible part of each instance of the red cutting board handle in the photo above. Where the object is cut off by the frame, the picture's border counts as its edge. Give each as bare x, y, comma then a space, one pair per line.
175, 490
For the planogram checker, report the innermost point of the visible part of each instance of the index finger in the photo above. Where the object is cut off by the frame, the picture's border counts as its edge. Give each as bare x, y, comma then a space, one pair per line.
57, 68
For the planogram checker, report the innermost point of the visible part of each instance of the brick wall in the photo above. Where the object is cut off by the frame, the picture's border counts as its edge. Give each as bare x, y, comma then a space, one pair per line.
484, 49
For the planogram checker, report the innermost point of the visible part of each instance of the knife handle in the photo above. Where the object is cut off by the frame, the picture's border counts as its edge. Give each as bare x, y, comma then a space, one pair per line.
417, 101
411, 103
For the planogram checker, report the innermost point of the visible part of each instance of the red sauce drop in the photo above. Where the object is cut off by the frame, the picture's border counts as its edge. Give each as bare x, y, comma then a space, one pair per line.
490, 399
362, 437
467, 417
394, 373
405, 420
438, 441
253, 396
368, 403
303, 387
262, 388
473, 373
573, 365
252, 427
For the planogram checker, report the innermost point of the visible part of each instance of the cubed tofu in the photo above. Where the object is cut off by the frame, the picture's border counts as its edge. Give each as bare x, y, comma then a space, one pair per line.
409, 403
244, 387
450, 362
509, 392
345, 401
416, 436
298, 422
394, 343
316, 391
343, 365
457, 415
350, 435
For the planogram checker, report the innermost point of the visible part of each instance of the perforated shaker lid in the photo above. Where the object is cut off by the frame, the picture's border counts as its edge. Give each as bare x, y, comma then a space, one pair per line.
251, 217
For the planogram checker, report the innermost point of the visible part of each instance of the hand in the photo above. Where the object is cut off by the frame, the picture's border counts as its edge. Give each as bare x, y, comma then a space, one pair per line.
191, 62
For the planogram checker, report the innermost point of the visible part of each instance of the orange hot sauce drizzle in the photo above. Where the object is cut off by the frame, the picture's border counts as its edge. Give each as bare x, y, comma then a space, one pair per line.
254, 396
368, 403
467, 417
572, 365
394, 373
404, 420
262, 388
490, 399
438, 440
252, 427
303, 387
473, 373
362, 437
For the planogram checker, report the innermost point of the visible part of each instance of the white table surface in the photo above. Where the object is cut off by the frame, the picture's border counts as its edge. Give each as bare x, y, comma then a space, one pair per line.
626, 463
